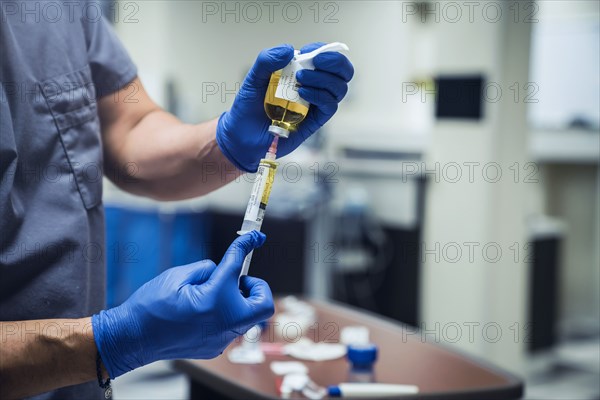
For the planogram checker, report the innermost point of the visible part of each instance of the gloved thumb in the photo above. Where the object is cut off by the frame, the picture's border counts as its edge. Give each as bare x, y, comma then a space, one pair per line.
267, 62
231, 265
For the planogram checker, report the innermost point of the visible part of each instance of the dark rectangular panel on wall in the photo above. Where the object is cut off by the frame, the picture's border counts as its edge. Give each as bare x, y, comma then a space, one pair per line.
460, 97
543, 300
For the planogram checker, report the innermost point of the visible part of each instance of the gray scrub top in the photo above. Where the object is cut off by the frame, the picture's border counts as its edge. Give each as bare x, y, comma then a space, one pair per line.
51, 214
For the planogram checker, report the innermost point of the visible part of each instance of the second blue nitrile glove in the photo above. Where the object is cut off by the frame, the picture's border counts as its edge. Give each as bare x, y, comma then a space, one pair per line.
242, 132
193, 311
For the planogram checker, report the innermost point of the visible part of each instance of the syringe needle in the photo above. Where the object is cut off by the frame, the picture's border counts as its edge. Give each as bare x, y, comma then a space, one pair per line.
272, 152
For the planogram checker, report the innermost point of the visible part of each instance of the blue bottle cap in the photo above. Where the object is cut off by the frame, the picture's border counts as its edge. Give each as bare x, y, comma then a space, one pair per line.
334, 391
362, 355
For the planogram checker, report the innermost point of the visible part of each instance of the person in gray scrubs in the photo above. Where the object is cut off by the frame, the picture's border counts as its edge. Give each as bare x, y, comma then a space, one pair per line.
73, 110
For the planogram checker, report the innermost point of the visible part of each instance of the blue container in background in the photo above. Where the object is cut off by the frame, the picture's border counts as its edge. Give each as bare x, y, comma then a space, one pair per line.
140, 244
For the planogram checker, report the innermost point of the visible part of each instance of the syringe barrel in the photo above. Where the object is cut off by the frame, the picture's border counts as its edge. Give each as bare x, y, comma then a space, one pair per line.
249, 225
259, 198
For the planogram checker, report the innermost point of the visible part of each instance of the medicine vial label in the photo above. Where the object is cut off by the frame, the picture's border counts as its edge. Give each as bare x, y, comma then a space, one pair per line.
287, 88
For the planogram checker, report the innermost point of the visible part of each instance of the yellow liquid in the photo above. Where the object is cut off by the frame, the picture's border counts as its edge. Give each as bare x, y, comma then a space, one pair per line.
284, 113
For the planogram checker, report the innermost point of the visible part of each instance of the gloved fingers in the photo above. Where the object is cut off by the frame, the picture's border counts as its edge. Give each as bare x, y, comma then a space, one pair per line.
311, 46
231, 265
323, 80
335, 63
196, 273
315, 119
285, 147
255, 287
318, 116
259, 297
267, 62
321, 98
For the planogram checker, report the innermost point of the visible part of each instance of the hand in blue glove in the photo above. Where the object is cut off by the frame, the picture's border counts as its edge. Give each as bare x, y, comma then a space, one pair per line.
193, 311
242, 132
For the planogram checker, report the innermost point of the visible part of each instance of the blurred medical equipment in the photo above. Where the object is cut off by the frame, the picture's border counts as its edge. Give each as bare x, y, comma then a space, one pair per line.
305, 349
362, 358
288, 367
294, 315
361, 353
303, 384
249, 352
354, 335
370, 390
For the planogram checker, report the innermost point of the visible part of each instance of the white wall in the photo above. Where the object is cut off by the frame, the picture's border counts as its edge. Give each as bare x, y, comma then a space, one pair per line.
484, 289
144, 30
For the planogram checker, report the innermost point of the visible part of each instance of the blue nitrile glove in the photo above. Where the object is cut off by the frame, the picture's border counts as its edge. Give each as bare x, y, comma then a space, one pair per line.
193, 311
242, 132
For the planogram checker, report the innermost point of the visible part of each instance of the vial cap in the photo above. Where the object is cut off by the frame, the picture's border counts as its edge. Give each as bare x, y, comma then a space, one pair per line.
362, 355
279, 131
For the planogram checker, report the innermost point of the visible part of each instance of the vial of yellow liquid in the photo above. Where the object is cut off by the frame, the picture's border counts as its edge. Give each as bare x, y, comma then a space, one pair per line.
283, 104
285, 114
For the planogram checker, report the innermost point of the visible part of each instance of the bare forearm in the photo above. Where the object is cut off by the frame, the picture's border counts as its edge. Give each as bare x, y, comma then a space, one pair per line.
148, 151
169, 160
41, 355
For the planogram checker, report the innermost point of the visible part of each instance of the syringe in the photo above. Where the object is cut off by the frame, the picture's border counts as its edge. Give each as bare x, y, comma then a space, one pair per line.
259, 198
